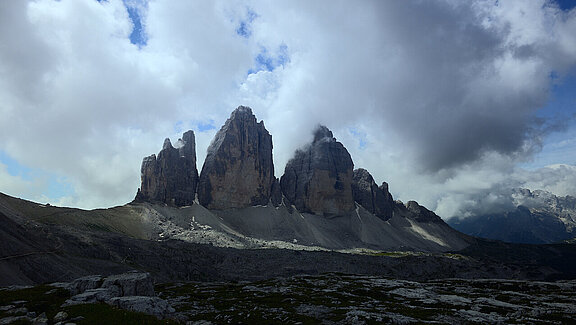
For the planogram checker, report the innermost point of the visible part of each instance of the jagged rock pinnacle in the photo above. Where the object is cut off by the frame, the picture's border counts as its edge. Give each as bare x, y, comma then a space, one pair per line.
319, 178
375, 199
323, 133
167, 144
172, 176
238, 171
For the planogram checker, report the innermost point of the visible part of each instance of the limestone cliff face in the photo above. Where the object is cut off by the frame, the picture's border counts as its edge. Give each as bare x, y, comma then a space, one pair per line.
238, 171
377, 200
319, 178
171, 177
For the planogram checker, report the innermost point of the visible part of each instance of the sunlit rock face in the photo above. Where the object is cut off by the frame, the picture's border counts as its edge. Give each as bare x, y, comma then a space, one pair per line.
238, 171
172, 176
373, 198
318, 179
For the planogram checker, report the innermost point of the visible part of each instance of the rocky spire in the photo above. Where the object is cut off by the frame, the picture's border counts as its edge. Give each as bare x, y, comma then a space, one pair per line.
318, 179
171, 177
238, 171
375, 199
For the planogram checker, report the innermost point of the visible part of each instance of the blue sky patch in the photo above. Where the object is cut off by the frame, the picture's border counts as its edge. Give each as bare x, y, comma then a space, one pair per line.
245, 27
14, 168
179, 127
138, 36
559, 116
566, 4
267, 61
56, 187
202, 127
360, 136
562, 100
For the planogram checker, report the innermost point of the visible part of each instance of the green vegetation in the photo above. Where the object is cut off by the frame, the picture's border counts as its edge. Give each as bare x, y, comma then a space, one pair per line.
346, 299
96, 314
332, 297
40, 299
47, 299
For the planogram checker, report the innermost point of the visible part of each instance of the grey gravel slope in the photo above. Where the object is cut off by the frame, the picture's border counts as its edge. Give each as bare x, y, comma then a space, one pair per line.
71, 250
268, 226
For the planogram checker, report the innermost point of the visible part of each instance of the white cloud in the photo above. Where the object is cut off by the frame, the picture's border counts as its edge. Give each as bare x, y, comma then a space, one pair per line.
82, 101
443, 93
15, 185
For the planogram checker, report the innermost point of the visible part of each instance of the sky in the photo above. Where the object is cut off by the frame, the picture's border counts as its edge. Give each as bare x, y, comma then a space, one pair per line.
453, 103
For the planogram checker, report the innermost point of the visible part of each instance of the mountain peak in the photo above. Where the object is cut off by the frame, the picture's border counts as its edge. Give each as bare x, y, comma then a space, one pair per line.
167, 144
187, 144
322, 132
375, 199
242, 112
171, 177
238, 171
318, 179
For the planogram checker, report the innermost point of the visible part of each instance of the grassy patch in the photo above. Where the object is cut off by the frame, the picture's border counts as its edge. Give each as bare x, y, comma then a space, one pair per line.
418, 312
393, 254
40, 299
47, 299
96, 314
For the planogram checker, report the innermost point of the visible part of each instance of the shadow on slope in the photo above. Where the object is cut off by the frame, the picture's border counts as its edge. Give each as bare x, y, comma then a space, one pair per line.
65, 246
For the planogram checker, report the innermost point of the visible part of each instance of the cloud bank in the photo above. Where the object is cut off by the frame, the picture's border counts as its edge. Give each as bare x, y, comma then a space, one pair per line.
441, 99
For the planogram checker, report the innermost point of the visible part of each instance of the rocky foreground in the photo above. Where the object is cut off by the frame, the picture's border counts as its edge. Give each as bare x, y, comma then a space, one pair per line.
330, 298
350, 299
233, 244
88, 300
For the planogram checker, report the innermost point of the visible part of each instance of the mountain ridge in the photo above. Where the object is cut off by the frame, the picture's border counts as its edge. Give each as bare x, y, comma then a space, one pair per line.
319, 199
66, 243
167, 231
537, 217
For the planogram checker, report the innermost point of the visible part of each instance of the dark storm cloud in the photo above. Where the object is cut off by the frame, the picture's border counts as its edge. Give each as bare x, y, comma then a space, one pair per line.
452, 80
458, 101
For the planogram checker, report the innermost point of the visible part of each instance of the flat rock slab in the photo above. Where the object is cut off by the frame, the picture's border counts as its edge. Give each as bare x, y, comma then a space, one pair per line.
142, 304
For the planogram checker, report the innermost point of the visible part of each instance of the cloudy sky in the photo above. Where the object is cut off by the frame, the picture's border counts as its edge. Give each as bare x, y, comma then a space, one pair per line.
450, 102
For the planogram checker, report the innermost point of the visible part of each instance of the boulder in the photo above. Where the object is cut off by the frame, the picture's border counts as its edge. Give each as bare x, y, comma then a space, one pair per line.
131, 291
377, 200
42, 319
92, 296
131, 284
95, 288
83, 284
318, 179
143, 304
172, 176
60, 316
238, 171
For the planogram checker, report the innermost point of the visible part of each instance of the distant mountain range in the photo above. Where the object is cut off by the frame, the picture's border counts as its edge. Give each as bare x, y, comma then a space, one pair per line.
539, 217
